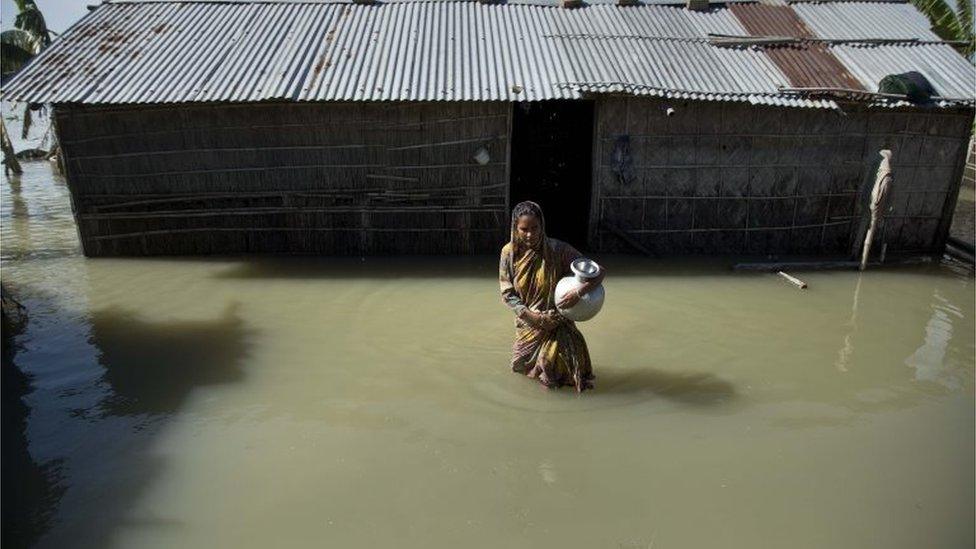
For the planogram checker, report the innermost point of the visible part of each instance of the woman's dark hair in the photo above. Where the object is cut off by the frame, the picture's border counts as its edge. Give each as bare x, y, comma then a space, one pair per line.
526, 208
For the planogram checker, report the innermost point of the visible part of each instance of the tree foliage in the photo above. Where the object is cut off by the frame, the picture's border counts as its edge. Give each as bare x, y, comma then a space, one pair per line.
16, 49
949, 23
31, 20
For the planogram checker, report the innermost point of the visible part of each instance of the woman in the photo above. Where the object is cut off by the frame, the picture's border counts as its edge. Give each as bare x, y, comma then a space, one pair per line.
547, 345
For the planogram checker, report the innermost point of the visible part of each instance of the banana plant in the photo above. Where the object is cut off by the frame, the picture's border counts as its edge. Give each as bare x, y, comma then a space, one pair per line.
17, 47
951, 22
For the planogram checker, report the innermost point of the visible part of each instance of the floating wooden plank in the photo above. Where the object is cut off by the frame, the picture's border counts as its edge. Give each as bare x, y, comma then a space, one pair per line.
793, 280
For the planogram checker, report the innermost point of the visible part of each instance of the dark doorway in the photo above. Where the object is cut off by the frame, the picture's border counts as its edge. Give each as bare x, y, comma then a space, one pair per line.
552, 144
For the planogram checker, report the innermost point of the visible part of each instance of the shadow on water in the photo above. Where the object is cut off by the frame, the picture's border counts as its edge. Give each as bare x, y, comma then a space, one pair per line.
360, 268
149, 372
482, 266
152, 367
457, 267
697, 389
29, 491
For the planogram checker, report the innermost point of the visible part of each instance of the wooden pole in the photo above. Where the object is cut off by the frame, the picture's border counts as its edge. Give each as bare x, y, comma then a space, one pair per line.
879, 195
793, 280
9, 156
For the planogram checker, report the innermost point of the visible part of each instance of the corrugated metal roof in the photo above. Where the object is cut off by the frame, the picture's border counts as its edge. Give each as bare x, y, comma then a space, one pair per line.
165, 52
676, 68
844, 20
806, 65
950, 74
179, 52
539, 3
664, 51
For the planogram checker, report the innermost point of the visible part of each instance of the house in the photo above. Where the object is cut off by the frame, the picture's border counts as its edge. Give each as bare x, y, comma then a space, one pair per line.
412, 126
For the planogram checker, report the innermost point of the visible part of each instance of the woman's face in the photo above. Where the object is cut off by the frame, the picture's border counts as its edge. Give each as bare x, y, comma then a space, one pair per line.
528, 230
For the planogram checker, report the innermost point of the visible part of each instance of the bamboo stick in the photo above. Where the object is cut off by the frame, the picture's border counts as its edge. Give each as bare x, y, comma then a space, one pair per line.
731, 40
792, 135
447, 143
821, 265
276, 211
961, 244
284, 167
725, 197
226, 170
866, 93
324, 193
315, 126
960, 254
280, 229
793, 280
391, 177
740, 40
736, 229
225, 149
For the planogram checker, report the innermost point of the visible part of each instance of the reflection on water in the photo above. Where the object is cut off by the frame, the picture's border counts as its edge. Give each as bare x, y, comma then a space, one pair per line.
151, 367
844, 355
929, 360
30, 490
256, 402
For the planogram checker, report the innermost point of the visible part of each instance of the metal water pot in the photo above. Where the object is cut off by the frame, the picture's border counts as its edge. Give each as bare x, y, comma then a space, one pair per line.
591, 303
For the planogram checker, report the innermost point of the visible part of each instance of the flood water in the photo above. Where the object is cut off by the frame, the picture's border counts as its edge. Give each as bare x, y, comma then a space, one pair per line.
262, 402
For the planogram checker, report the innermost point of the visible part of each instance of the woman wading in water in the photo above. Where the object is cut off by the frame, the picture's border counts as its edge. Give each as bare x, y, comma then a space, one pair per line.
547, 345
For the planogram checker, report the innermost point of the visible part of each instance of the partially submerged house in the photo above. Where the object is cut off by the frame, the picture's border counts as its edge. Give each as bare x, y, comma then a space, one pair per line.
412, 126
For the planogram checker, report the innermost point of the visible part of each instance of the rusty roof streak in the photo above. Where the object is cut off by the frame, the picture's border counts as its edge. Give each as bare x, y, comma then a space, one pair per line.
806, 65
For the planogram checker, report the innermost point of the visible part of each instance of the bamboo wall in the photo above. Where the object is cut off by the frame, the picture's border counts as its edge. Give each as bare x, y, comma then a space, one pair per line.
339, 178
735, 178
400, 178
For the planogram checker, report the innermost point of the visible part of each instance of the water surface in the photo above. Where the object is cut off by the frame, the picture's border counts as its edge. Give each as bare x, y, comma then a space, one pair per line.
262, 402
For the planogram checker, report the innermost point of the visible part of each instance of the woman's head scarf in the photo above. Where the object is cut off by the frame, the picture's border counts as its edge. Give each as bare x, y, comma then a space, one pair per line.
528, 208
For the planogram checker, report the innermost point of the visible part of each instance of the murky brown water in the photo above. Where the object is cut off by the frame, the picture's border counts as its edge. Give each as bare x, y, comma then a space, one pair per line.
347, 403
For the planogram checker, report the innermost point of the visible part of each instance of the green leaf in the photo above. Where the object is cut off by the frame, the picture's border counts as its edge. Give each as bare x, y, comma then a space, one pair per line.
943, 19
964, 8
17, 50
950, 24
32, 21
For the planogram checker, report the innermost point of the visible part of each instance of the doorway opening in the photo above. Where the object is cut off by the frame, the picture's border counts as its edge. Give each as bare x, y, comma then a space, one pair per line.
552, 147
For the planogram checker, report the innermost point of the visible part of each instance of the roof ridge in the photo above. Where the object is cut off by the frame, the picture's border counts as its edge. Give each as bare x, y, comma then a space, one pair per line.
534, 3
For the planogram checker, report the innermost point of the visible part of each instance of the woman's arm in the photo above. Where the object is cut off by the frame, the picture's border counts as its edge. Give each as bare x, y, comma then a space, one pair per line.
572, 298
511, 298
592, 283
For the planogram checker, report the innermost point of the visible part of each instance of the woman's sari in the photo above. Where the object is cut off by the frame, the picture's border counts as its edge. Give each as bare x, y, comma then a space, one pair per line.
528, 279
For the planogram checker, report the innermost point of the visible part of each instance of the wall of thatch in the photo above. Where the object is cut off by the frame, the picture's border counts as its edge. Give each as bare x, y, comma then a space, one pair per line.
736, 178
400, 178
340, 178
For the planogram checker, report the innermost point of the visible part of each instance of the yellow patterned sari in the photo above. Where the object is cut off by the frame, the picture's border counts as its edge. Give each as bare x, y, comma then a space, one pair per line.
528, 279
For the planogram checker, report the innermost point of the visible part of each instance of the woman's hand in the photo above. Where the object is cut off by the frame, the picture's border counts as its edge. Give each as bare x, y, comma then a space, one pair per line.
543, 321
573, 297
570, 299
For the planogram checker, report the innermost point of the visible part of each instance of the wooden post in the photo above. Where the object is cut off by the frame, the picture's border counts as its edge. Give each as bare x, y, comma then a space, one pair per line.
793, 280
9, 156
879, 196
